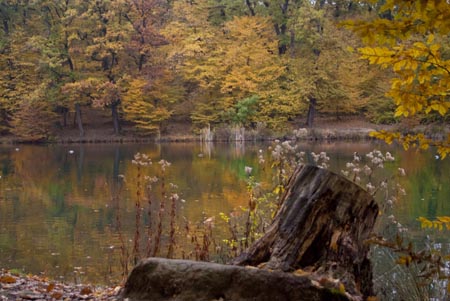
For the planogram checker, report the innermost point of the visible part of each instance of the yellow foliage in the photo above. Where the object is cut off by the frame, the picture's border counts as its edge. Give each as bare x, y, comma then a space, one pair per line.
439, 223
422, 82
404, 260
230, 62
140, 108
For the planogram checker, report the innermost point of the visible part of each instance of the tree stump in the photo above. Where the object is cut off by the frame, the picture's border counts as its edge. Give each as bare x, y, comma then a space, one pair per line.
319, 230
323, 222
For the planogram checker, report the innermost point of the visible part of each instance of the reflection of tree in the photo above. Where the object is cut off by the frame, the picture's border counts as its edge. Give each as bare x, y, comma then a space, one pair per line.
239, 148
426, 190
7, 165
433, 202
61, 209
116, 163
80, 161
206, 148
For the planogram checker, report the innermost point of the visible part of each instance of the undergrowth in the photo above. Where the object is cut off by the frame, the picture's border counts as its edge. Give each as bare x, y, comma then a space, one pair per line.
166, 234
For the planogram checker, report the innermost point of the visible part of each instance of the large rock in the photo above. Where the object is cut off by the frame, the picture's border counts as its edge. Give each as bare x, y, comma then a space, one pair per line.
160, 279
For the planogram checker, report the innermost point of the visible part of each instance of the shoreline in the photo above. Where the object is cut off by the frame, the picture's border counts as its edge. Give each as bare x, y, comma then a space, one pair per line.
32, 287
303, 134
350, 130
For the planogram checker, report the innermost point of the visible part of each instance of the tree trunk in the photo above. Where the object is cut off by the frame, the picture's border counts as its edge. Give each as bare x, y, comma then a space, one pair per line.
323, 223
65, 112
78, 119
311, 112
115, 117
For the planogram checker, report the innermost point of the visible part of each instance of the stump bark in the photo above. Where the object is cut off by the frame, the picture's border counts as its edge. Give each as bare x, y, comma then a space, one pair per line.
323, 222
320, 227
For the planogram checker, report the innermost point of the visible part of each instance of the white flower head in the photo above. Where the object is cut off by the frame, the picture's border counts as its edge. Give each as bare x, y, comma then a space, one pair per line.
367, 170
389, 157
248, 170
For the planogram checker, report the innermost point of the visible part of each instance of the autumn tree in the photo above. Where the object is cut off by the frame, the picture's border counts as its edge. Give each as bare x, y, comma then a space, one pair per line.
106, 51
57, 40
154, 77
325, 76
229, 62
279, 11
8, 95
142, 107
192, 44
409, 39
146, 18
22, 82
80, 93
33, 119
109, 95
130, 62
252, 67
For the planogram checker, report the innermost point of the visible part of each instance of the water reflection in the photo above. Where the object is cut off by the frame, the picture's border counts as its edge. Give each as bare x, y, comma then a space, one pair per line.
59, 204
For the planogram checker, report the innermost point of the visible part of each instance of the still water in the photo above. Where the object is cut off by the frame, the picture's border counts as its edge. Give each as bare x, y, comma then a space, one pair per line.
68, 211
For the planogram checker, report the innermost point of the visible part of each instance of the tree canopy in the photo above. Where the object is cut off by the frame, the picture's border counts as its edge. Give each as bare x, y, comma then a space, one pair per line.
210, 62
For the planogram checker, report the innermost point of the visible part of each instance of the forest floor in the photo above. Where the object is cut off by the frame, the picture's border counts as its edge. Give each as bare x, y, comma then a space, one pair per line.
29, 287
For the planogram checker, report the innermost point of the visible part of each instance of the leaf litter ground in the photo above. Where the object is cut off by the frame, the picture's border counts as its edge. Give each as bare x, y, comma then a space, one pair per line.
30, 287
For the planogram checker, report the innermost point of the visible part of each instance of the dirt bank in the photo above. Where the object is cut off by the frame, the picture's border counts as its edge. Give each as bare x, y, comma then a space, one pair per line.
98, 129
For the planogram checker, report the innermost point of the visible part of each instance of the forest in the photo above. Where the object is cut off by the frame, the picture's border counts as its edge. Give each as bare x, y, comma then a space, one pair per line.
211, 63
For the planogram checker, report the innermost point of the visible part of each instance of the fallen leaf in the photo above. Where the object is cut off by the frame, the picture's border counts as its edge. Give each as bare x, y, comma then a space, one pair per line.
57, 295
7, 279
117, 290
30, 295
86, 291
50, 287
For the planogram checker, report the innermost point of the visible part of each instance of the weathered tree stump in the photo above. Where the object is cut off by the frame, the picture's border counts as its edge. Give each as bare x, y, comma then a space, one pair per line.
320, 227
323, 222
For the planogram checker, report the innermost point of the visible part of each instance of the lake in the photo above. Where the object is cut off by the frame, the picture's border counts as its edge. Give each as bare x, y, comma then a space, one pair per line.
69, 211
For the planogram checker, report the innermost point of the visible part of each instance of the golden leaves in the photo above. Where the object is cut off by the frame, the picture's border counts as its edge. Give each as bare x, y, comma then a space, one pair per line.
382, 56
439, 223
142, 107
414, 140
422, 74
7, 279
